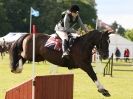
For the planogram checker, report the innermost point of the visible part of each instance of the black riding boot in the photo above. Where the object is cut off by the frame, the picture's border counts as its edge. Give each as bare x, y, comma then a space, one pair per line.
65, 49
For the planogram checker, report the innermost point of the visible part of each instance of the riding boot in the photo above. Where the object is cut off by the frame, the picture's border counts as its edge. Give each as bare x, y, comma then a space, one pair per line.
65, 48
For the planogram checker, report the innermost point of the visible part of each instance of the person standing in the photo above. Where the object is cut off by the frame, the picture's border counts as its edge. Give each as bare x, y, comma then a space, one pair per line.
126, 54
117, 54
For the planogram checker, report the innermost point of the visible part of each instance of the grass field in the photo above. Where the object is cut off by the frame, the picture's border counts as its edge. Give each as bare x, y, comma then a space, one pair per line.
120, 85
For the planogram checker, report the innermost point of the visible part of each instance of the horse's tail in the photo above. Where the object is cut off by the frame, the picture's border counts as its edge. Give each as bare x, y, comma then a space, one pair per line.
15, 50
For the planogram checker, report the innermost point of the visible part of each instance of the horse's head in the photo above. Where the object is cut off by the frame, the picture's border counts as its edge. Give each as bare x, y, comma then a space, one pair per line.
103, 45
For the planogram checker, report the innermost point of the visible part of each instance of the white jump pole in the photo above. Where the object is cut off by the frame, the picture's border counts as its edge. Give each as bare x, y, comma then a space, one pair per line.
33, 65
33, 55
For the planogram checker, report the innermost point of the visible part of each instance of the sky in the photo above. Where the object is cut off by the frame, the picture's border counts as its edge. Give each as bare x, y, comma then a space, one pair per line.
120, 11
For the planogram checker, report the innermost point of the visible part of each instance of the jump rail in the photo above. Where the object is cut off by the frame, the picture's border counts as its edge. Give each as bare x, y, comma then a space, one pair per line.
46, 87
108, 70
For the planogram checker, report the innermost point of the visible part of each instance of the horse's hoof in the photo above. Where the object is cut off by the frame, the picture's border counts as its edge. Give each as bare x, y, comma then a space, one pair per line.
104, 92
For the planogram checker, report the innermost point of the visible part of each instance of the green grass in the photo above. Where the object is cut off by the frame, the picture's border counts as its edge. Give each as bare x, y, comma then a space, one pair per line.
120, 85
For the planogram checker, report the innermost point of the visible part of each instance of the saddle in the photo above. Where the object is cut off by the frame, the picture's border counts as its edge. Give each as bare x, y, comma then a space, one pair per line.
55, 43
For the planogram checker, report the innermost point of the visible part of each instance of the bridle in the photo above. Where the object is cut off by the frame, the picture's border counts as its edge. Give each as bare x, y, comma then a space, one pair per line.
100, 45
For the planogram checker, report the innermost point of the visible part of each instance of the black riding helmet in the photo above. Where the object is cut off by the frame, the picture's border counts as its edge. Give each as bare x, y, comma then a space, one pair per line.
74, 8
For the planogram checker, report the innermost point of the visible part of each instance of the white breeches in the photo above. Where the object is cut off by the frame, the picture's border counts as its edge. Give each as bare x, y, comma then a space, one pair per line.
62, 35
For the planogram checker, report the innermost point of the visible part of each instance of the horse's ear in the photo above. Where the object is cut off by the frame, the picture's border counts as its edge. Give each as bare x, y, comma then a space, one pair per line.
109, 32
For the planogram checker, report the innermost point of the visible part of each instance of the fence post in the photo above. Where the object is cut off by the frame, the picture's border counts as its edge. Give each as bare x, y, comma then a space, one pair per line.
108, 69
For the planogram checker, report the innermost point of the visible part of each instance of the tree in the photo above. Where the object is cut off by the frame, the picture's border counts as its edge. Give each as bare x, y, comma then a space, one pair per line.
114, 26
15, 14
4, 26
121, 30
129, 34
118, 28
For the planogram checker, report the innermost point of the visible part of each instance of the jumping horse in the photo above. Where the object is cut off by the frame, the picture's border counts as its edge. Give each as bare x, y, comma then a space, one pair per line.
80, 53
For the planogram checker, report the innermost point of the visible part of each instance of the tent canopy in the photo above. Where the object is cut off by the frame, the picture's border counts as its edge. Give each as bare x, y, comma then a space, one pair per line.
117, 41
11, 36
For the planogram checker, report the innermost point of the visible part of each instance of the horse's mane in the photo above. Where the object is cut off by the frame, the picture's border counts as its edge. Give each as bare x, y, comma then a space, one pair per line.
92, 35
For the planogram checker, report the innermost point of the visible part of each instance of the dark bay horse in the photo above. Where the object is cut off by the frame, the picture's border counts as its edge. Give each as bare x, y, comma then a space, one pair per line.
80, 53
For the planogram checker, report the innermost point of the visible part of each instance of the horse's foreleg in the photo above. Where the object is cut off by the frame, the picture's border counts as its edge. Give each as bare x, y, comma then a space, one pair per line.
89, 70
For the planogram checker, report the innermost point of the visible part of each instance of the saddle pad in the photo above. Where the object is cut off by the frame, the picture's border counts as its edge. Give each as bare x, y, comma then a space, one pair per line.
54, 42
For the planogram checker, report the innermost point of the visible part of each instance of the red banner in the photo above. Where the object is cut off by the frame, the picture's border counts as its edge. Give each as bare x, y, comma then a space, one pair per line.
33, 29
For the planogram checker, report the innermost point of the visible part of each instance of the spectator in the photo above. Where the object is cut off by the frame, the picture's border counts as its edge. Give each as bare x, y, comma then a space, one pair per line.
94, 54
126, 54
117, 54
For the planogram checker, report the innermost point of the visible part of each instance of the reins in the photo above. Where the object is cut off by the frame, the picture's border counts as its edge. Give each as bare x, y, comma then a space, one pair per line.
100, 45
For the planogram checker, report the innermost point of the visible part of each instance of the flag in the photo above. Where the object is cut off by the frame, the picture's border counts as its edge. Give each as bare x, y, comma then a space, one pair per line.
34, 12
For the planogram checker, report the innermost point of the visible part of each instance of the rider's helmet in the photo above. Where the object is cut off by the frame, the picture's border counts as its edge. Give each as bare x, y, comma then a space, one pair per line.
74, 8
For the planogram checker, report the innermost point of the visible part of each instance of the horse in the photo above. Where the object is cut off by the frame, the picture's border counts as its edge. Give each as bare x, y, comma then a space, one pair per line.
4, 47
1, 51
80, 53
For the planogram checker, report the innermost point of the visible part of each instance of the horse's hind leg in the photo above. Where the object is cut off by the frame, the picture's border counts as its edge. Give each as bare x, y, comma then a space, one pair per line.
20, 65
89, 70
2, 55
23, 54
25, 51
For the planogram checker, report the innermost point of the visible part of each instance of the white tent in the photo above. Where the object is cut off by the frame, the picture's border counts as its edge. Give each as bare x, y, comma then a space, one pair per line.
120, 42
11, 37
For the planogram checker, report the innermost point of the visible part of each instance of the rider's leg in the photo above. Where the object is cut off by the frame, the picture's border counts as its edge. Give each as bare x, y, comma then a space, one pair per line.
65, 44
65, 48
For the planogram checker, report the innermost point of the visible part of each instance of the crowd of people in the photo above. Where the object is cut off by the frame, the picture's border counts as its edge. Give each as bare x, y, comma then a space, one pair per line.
126, 54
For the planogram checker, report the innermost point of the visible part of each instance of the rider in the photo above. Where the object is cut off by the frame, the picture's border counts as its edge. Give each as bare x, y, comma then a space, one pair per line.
65, 26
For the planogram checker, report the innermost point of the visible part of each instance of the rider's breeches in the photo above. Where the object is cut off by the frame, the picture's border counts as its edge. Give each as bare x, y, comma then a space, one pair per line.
64, 38
62, 35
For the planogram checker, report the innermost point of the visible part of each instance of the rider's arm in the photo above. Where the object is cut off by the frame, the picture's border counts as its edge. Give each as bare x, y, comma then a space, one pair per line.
81, 24
67, 27
66, 22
